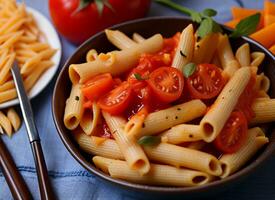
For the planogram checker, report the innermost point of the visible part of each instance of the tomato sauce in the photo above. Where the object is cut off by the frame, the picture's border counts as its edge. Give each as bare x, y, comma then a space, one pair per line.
103, 131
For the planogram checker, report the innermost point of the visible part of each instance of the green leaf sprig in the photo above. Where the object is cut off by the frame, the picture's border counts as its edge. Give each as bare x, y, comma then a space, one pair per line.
99, 4
208, 25
149, 140
139, 77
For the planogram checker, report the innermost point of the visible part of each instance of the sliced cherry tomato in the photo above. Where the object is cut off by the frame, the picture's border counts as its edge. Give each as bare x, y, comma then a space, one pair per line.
233, 134
97, 86
206, 82
117, 100
166, 83
170, 44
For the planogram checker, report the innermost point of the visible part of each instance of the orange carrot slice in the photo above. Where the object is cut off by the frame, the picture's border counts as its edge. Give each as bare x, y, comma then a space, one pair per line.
232, 23
269, 13
265, 36
272, 49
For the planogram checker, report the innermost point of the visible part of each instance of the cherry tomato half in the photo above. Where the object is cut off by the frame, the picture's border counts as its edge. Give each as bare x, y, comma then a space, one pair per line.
206, 82
97, 86
233, 134
166, 83
117, 100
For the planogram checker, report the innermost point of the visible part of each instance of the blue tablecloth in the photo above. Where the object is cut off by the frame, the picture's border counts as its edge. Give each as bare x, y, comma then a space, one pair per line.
72, 181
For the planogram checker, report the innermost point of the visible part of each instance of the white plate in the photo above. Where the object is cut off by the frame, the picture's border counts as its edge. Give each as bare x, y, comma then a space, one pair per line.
52, 38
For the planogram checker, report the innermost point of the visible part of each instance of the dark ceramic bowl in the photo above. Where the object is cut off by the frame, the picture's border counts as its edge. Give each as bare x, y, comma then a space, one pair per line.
167, 26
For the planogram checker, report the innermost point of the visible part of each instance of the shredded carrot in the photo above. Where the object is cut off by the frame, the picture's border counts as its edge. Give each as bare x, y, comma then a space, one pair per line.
265, 36
272, 49
241, 13
232, 23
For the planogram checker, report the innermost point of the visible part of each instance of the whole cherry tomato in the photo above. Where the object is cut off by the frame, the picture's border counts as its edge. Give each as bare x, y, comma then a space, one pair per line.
77, 20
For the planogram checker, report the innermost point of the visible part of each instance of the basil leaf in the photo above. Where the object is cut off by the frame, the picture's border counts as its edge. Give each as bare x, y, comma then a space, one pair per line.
139, 77
100, 6
246, 26
107, 3
189, 69
205, 27
196, 17
209, 12
149, 140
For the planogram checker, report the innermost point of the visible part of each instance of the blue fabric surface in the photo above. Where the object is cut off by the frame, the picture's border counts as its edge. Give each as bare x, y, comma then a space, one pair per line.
72, 181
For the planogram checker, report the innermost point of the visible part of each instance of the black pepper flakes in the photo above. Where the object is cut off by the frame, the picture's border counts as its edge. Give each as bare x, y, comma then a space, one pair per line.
143, 125
182, 54
178, 109
77, 98
166, 117
176, 117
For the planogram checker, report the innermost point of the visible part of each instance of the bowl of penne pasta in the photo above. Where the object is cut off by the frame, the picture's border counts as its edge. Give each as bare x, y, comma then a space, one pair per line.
150, 106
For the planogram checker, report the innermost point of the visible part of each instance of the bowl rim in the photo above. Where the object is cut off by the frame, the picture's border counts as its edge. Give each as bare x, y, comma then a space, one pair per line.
76, 151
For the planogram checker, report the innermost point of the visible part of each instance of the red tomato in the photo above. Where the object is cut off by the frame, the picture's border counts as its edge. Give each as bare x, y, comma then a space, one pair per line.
206, 82
97, 86
79, 26
166, 83
170, 44
117, 100
233, 134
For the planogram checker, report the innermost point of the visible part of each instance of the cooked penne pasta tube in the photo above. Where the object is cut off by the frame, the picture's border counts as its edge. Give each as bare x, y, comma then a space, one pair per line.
198, 145
164, 119
119, 39
90, 119
5, 124
158, 174
262, 83
262, 94
133, 153
205, 48
14, 119
184, 157
214, 120
257, 58
243, 55
233, 162
115, 62
185, 48
229, 64
138, 38
182, 133
91, 55
264, 111
98, 146
74, 108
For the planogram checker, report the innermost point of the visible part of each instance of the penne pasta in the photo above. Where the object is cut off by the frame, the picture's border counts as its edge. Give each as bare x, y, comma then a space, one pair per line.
158, 174
214, 120
232, 162
119, 39
91, 55
138, 38
257, 58
185, 48
262, 83
5, 124
243, 55
90, 119
264, 111
14, 119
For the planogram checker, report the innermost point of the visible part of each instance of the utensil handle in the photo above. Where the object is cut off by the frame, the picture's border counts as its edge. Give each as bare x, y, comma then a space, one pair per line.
16, 183
46, 191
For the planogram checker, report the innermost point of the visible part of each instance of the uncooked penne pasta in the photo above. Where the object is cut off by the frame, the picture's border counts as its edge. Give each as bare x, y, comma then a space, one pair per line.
158, 174
14, 119
243, 55
182, 133
214, 120
229, 64
264, 111
164, 119
185, 48
133, 153
115, 62
119, 39
74, 108
138, 38
5, 69
232, 162
5, 124
205, 48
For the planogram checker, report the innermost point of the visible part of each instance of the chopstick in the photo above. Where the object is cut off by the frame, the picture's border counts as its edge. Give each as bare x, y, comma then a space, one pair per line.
15, 181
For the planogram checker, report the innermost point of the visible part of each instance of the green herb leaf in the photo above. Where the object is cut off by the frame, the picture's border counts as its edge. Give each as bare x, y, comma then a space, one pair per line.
100, 6
107, 3
246, 26
209, 12
149, 140
139, 77
207, 27
83, 4
196, 17
189, 69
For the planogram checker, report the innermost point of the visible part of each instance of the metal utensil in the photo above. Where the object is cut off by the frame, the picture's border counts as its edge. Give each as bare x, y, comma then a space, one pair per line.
16, 183
46, 191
